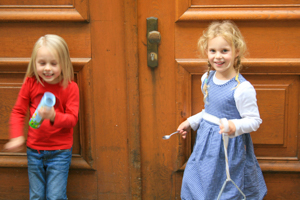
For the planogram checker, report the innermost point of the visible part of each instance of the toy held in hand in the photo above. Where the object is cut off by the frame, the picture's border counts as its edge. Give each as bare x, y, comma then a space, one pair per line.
48, 100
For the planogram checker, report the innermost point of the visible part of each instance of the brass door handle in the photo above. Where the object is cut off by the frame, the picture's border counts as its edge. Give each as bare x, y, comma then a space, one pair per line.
153, 39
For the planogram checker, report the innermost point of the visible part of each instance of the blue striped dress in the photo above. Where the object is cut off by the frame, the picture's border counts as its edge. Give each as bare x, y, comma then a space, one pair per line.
205, 171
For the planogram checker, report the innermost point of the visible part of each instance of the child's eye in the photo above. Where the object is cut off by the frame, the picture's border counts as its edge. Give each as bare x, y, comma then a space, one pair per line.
225, 50
212, 51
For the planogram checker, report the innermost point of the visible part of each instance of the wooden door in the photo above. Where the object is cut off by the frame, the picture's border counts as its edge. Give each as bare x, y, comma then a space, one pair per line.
171, 92
22, 24
126, 107
102, 39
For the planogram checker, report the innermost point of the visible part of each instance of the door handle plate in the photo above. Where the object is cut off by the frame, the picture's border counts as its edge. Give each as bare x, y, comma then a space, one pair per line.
153, 39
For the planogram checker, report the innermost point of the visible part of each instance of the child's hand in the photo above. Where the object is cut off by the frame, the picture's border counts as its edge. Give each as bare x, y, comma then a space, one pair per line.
231, 128
184, 128
15, 144
47, 113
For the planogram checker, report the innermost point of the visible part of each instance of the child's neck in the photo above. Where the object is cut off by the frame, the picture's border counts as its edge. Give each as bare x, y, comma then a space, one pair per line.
228, 75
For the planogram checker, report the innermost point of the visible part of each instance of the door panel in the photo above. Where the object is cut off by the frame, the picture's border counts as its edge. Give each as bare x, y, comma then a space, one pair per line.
37, 2
248, 3
272, 66
126, 107
33, 10
32, 21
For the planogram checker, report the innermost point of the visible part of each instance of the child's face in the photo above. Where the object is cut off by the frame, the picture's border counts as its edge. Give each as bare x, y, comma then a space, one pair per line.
220, 55
47, 66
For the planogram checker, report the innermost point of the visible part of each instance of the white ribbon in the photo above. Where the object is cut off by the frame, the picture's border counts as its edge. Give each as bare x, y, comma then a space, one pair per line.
224, 121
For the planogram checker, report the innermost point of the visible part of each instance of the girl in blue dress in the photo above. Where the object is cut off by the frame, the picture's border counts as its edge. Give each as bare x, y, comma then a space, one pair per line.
227, 95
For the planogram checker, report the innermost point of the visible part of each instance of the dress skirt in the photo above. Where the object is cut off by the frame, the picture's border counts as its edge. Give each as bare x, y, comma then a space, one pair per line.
205, 171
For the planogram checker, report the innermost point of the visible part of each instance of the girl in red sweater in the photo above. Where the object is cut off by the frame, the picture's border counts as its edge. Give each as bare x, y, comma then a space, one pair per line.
49, 147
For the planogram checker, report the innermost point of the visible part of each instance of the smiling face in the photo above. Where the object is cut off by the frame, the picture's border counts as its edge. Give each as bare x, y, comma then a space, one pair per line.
221, 57
47, 66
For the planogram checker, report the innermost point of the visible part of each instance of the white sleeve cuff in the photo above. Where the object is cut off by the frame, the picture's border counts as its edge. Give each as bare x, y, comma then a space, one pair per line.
246, 125
237, 128
195, 120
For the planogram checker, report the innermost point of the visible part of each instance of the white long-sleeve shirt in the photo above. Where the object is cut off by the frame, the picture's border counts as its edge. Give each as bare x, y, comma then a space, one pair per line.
246, 103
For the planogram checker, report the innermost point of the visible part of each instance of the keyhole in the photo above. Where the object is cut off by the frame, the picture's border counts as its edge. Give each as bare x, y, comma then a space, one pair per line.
152, 55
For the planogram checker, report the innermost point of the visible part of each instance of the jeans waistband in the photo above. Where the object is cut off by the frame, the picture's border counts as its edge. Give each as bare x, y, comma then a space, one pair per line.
39, 151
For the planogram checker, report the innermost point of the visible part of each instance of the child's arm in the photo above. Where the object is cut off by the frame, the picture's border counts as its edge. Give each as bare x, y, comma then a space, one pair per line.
246, 103
69, 117
15, 144
192, 122
195, 120
19, 111
184, 128
16, 122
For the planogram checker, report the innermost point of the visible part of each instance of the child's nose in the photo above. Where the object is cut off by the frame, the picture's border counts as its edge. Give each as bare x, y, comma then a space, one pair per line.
218, 55
47, 67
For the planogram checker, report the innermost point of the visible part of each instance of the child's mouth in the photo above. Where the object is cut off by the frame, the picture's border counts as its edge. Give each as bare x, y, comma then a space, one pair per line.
48, 75
219, 63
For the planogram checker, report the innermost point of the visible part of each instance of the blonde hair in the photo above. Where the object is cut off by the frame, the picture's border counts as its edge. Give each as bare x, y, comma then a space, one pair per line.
231, 33
59, 48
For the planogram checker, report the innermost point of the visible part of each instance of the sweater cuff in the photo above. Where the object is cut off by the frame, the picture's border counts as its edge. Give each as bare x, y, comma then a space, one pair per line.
238, 130
193, 124
195, 120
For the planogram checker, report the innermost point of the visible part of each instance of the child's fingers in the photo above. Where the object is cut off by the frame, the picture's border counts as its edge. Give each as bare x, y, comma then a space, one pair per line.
184, 134
184, 125
12, 147
15, 144
231, 128
45, 112
41, 112
221, 129
184, 128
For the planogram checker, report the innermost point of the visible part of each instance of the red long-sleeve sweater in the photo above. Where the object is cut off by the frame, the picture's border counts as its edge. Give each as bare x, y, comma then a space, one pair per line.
49, 136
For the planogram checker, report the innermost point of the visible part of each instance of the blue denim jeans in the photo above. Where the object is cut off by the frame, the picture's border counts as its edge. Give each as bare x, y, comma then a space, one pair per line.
48, 173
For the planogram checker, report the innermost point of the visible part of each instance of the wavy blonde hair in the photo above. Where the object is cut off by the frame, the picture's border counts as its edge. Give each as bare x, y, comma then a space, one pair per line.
231, 33
59, 48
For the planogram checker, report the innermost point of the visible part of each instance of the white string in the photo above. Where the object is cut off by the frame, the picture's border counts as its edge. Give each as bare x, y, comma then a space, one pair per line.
225, 144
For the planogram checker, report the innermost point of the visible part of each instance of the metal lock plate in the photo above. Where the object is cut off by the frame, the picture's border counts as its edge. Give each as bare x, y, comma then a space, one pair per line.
153, 39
